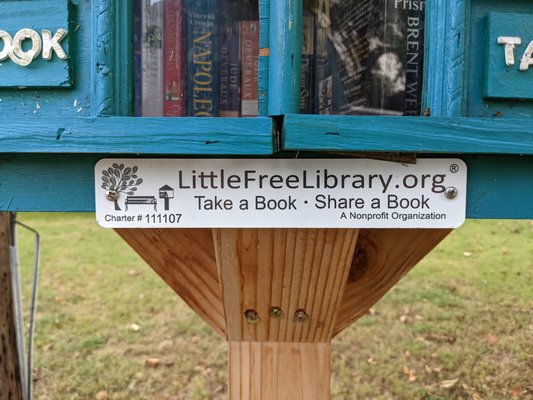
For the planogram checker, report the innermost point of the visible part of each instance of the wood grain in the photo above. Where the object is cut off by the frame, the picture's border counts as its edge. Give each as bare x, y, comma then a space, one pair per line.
408, 135
382, 257
10, 379
123, 135
293, 269
280, 371
185, 259
447, 39
286, 56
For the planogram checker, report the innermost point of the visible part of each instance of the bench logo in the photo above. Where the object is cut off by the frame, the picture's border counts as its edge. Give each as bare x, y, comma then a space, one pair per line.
121, 179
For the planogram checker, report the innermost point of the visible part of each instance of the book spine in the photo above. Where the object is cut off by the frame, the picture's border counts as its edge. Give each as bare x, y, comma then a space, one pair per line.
152, 58
323, 67
174, 61
307, 71
202, 58
249, 68
137, 57
414, 61
230, 74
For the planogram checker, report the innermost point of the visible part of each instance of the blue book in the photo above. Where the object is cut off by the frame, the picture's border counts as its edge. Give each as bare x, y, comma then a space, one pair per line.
137, 57
202, 58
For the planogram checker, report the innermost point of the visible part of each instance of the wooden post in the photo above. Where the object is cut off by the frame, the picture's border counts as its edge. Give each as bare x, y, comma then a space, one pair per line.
279, 370
282, 289
279, 296
10, 377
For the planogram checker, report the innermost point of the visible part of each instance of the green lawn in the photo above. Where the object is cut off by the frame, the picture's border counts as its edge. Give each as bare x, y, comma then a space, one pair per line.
459, 326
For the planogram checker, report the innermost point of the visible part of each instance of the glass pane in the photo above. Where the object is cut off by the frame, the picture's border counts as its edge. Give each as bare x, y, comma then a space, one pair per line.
362, 57
196, 58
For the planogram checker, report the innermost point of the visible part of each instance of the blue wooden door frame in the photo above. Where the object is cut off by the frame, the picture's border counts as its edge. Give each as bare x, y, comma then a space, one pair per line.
46, 164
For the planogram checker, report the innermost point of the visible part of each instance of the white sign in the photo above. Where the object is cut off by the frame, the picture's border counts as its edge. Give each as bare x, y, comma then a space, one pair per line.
296, 193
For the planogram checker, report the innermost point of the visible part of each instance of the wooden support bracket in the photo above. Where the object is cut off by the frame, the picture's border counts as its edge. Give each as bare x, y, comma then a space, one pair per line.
279, 296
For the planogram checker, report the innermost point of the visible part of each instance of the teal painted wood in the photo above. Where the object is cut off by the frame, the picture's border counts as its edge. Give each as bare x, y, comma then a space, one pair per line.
446, 40
408, 134
477, 106
104, 62
123, 25
500, 80
123, 135
47, 182
113, 58
498, 187
60, 102
36, 15
285, 56
264, 46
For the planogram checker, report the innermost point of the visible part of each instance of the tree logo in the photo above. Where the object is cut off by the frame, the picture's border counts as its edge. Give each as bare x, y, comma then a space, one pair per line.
120, 179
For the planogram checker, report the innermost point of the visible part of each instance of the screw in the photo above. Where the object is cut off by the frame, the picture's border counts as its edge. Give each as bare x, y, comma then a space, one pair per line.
301, 316
276, 312
111, 195
450, 192
251, 316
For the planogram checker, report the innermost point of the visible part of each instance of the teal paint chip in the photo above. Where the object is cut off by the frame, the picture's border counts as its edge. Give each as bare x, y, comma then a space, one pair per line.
35, 15
501, 80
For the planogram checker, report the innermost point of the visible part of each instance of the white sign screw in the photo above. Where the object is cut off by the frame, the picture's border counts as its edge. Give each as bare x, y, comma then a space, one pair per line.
450, 192
111, 195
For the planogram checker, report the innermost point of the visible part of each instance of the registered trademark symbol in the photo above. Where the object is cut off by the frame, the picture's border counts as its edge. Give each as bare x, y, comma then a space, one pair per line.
454, 168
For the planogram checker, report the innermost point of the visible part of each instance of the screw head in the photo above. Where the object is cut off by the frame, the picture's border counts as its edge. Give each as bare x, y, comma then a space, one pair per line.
251, 316
276, 312
111, 195
301, 316
450, 192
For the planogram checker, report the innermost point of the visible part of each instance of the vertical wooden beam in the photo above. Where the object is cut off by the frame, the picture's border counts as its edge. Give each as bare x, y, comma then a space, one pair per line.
280, 371
10, 373
282, 290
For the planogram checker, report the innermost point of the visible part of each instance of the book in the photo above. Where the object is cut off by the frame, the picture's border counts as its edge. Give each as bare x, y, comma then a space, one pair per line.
230, 70
137, 58
323, 80
308, 68
379, 48
174, 77
414, 58
249, 68
152, 58
202, 59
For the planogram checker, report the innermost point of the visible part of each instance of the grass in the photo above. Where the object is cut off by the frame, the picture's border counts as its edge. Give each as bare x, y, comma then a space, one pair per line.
459, 326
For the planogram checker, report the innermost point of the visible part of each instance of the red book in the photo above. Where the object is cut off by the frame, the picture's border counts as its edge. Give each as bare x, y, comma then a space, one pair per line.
249, 68
174, 76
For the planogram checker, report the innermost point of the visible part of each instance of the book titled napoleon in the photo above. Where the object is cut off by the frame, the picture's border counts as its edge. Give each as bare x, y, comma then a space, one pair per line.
202, 61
